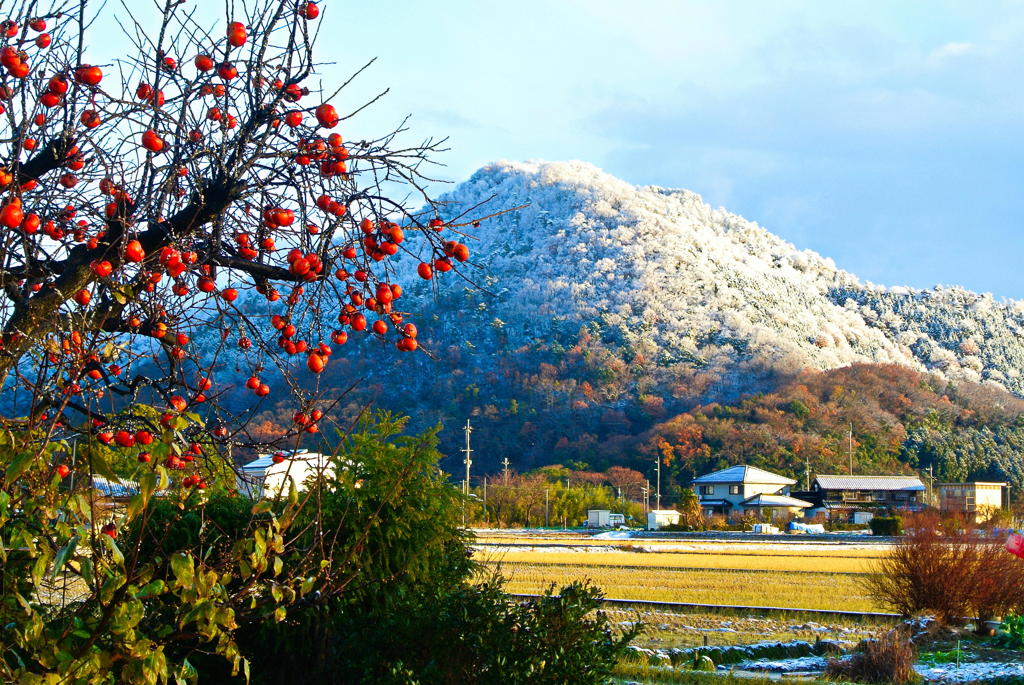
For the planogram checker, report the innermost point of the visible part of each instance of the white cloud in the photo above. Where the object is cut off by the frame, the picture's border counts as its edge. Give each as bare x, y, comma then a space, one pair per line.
953, 49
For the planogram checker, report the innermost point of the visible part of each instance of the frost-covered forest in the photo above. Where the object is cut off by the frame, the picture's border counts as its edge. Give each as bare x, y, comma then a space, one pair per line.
706, 295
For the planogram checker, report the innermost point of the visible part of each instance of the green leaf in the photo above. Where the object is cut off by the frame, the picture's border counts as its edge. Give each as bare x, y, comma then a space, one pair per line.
115, 551
164, 481
62, 555
136, 503
101, 466
261, 507
39, 569
150, 589
18, 465
183, 568
147, 484
186, 673
259, 543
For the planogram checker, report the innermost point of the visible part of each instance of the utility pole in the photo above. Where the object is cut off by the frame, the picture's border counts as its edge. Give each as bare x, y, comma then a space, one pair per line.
504, 462
851, 448
658, 495
468, 462
1009, 504
807, 473
547, 520
646, 490
931, 484
487, 518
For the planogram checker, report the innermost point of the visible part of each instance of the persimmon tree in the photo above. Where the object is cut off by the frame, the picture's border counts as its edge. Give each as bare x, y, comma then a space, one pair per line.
203, 182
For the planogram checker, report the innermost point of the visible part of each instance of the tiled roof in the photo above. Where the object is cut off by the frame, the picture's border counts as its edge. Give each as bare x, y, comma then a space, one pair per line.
119, 489
888, 483
744, 474
765, 500
115, 489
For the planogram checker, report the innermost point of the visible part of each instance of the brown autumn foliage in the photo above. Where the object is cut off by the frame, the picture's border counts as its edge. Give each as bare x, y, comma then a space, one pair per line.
950, 571
808, 418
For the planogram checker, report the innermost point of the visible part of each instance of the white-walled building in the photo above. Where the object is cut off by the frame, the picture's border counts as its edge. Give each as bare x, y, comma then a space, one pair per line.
268, 476
741, 488
977, 501
658, 518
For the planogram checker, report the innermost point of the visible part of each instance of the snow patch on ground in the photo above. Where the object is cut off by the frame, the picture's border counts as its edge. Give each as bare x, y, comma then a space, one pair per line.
613, 535
969, 673
803, 664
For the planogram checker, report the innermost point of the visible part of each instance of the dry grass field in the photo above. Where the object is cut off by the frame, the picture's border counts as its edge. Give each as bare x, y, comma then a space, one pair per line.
800, 574
672, 560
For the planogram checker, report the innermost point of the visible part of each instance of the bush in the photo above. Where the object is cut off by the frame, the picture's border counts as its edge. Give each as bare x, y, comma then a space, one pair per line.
400, 604
997, 585
1012, 634
889, 659
952, 576
465, 634
886, 525
717, 522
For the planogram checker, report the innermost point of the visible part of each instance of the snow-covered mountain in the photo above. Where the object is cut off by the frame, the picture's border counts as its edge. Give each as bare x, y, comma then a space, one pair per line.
701, 297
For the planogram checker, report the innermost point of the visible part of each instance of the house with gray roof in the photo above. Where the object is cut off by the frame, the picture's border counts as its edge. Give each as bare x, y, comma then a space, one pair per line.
738, 489
840, 496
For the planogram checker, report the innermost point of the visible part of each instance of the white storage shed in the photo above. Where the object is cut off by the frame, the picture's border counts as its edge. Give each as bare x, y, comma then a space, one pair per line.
658, 518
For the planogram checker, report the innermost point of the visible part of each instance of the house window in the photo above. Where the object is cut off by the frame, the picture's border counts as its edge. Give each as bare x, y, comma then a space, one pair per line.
707, 489
734, 489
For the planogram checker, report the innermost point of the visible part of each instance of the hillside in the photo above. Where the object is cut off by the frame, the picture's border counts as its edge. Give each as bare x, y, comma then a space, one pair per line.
899, 421
659, 273
602, 309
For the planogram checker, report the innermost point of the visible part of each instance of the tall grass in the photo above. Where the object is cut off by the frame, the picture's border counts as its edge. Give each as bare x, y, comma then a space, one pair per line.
889, 659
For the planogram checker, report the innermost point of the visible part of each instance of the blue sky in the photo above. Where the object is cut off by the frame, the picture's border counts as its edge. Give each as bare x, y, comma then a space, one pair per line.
886, 135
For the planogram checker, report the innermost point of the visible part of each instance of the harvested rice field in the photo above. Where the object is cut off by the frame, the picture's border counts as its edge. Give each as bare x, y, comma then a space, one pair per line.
802, 574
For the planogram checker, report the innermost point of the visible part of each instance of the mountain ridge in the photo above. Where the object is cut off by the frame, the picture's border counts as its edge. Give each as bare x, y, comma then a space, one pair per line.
604, 321
708, 287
